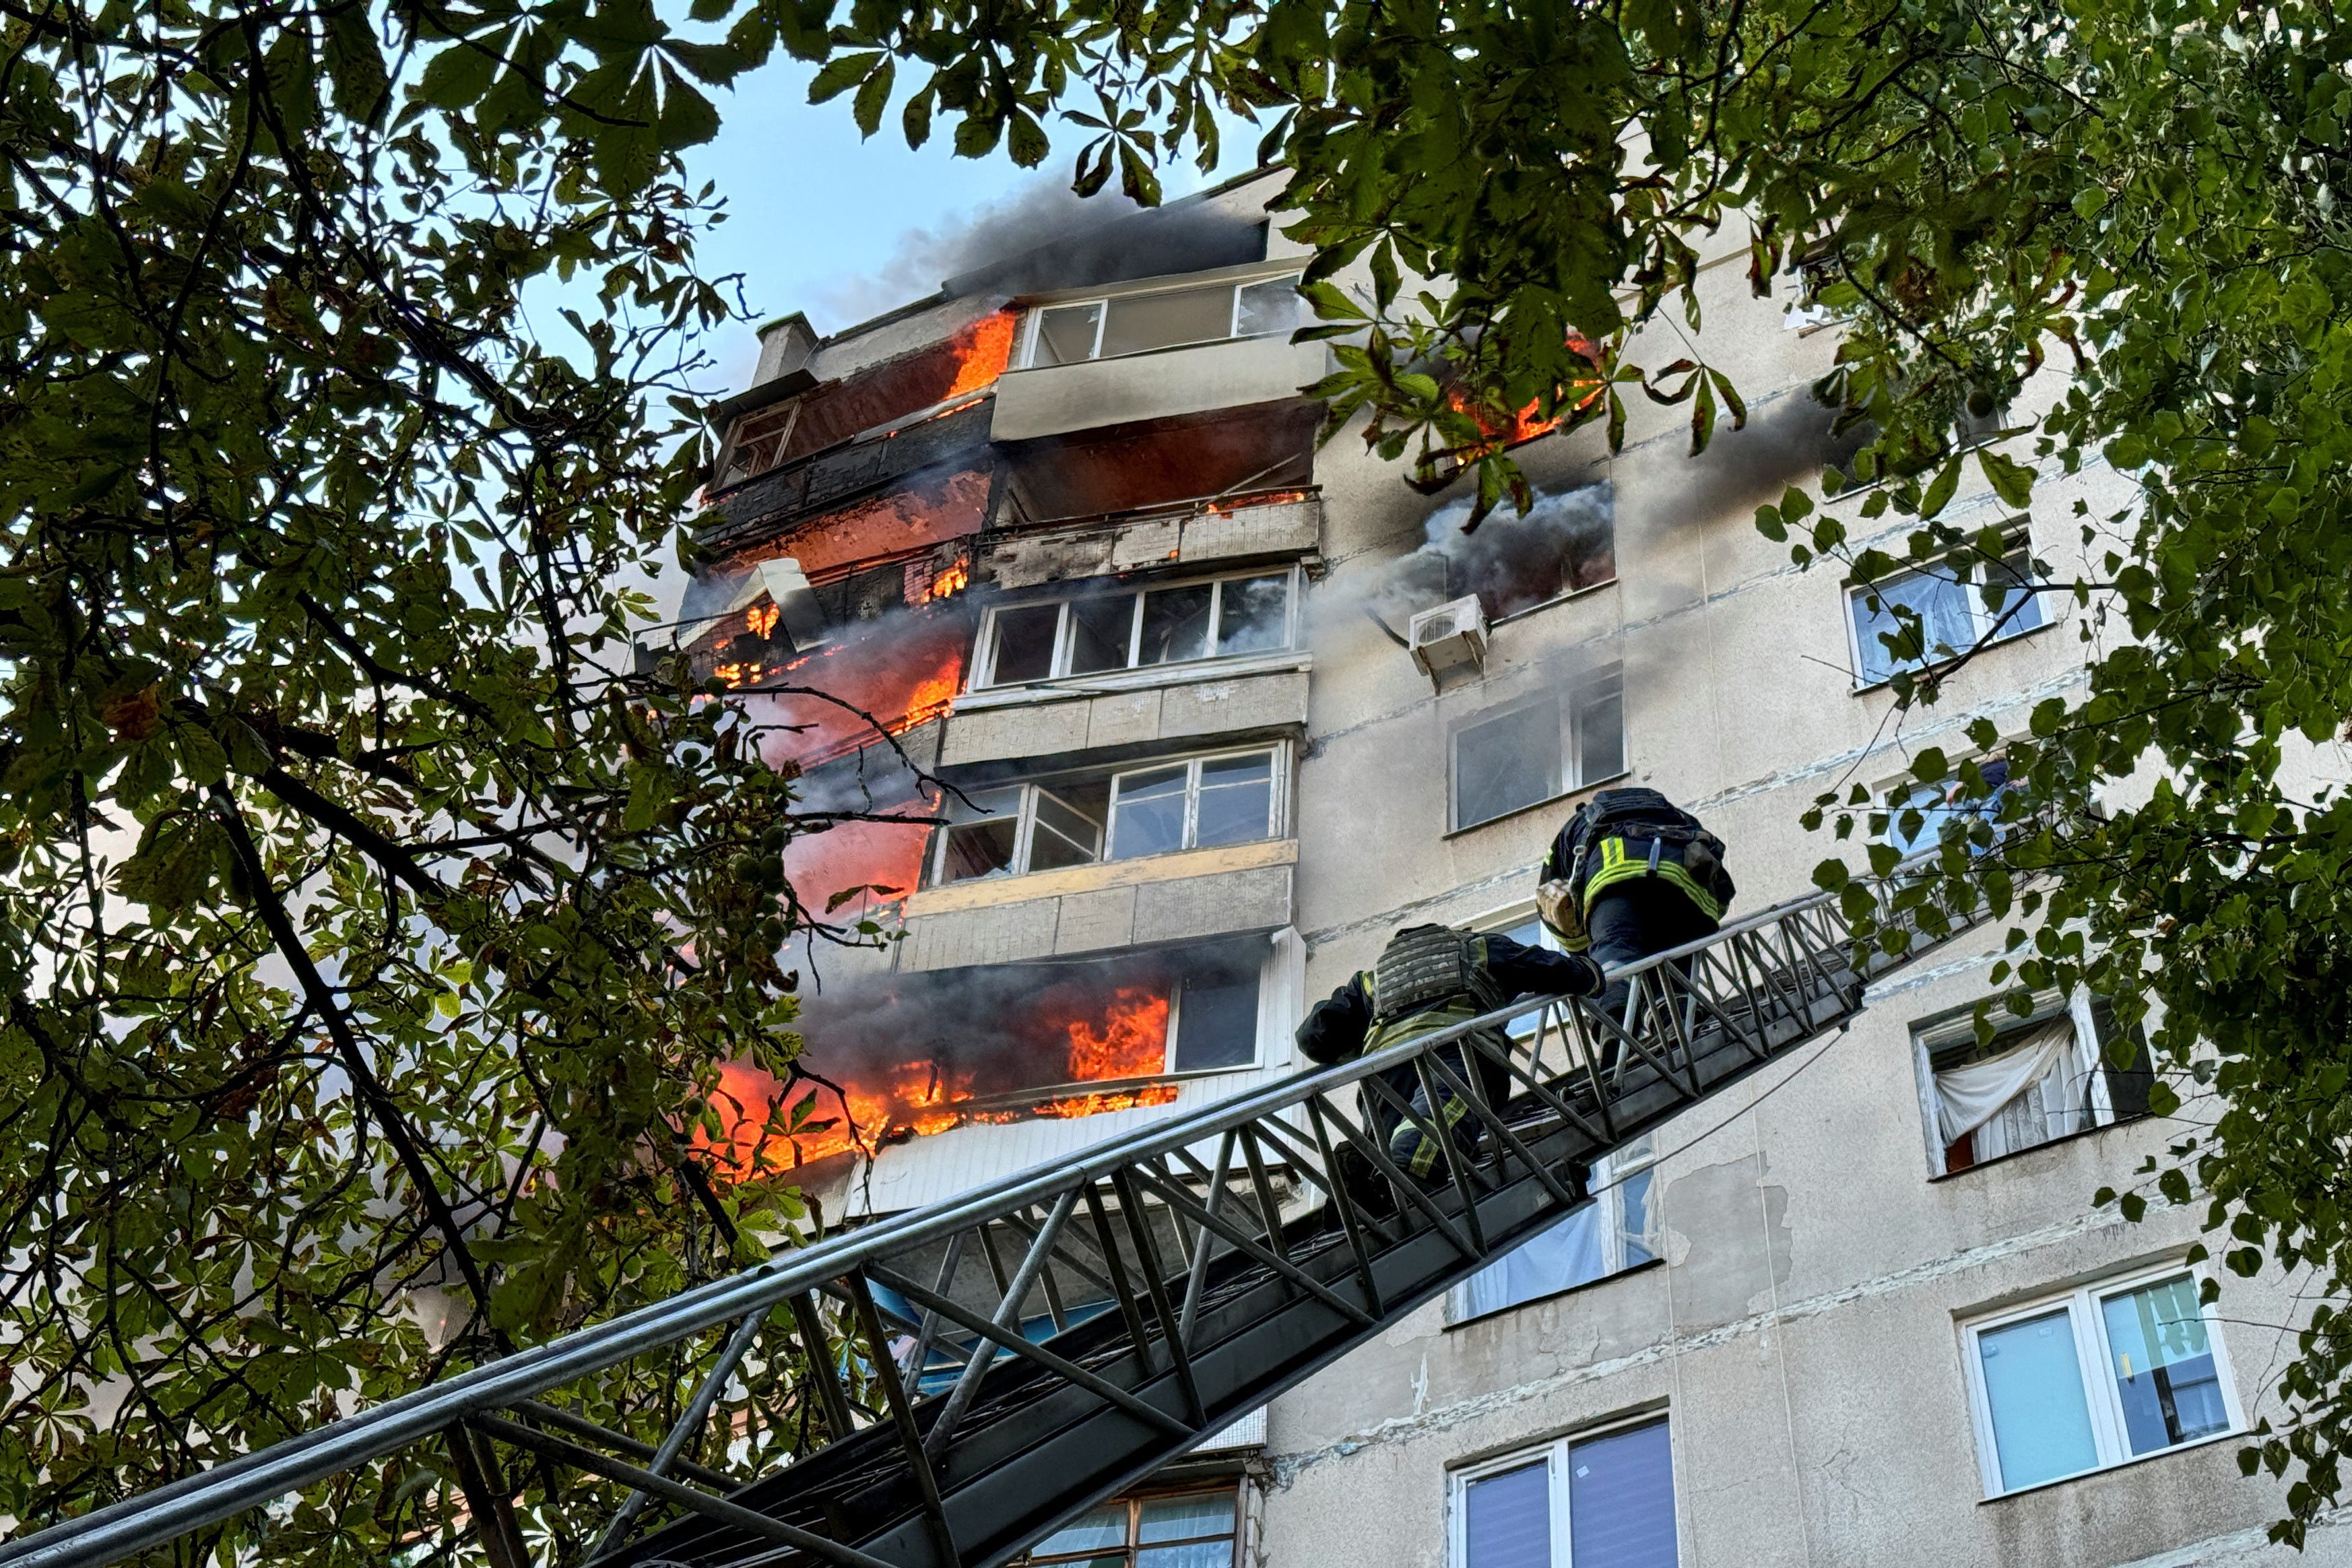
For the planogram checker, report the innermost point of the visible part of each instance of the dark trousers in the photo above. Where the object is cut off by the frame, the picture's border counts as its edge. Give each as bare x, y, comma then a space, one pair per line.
1408, 1145
1632, 920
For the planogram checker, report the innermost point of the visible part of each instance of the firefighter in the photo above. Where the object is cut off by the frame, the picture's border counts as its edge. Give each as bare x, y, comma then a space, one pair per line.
1631, 874
1428, 978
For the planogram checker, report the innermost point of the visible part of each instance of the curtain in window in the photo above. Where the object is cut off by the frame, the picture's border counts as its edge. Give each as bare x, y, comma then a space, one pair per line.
1573, 1252
1982, 1093
1621, 1501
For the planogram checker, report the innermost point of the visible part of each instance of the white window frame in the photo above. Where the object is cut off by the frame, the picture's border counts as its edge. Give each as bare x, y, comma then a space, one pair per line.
2091, 1352
1274, 1006
1277, 805
1566, 701
735, 444
1065, 639
1025, 811
1033, 327
1893, 796
1608, 1175
1554, 1455
1929, 1035
1856, 594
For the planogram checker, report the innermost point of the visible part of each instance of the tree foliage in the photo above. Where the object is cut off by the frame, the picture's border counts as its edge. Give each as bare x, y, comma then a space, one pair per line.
372, 927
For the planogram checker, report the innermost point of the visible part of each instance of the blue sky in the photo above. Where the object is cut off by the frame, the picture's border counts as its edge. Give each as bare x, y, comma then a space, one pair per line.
816, 215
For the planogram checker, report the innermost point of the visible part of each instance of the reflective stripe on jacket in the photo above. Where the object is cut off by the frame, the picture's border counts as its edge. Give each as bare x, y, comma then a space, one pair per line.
1624, 859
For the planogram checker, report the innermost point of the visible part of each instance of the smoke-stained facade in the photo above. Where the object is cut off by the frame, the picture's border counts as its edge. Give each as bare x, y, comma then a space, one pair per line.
1049, 561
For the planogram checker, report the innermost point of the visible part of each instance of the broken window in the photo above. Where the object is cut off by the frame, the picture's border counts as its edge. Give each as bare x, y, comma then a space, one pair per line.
2095, 1378
1067, 334
1600, 1500
1161, 319
1538, 748
981, 837
1078, 819
759, 443
1968, 601
1188, 1529
1194, 804
1018, 829
1101, 632
1614, 1232
2066, 1069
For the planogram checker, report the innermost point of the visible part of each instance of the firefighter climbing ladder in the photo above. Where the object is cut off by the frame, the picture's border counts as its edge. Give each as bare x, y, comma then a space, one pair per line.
1100, 1317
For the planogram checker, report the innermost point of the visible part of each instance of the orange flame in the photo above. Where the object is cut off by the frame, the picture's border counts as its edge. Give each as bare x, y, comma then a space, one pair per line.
1131, 1043
982, 350
951, 581
917, 1100
759, 620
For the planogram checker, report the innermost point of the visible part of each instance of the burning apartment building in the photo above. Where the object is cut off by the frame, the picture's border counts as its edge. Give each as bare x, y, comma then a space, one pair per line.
1151, 719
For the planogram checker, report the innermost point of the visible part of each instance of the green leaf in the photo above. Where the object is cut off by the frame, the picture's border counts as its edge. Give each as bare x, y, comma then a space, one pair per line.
842, 73
873, 96
2012, 482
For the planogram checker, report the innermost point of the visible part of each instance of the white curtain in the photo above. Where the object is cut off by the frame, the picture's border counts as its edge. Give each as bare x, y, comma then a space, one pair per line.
1970, 1097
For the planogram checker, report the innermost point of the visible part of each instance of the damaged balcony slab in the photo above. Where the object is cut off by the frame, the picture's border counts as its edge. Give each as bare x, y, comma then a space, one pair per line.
1053, 400
1288, 525
761, 509
1094, 909
1055, 720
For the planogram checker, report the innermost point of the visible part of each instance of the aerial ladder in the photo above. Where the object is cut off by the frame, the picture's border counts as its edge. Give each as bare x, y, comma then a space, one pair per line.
997, 1364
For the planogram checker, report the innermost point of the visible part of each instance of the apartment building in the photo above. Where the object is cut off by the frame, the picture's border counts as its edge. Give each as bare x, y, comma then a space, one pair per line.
1052, 555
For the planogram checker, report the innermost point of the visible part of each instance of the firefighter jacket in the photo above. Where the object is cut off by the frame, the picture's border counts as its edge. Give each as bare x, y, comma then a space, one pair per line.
1620, 835
1431, 977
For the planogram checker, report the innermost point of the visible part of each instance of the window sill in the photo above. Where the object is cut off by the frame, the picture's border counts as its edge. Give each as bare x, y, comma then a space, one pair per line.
1539, 804
1113, 683
1557, 600
1942, 666
982, 892
1627, 1272
2233, 1435
2060, 1142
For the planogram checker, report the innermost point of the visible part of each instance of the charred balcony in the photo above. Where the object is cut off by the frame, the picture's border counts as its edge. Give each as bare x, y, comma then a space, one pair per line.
951, 440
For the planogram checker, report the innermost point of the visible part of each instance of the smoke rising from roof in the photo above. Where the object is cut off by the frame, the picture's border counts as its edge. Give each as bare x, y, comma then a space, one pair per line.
1045, 236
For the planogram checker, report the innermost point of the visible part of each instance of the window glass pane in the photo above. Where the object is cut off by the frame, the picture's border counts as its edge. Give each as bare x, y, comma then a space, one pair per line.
1199, 1554
1175, 625
1599, 731
1527, 933
1069, 827
2164, 1367
1217, 1025
2127, 1086
1068, 334
1024, 644
1507, 1519
1633, 1199
1098, 632
1101, 1527
1570, 1254
1148, 813
1253, 613
1236, 800
2011, 604
983, 828
1620, 1499
1183, 1518
1147, 321
1945, 621
2034, 1392
1268, 306
1505, 763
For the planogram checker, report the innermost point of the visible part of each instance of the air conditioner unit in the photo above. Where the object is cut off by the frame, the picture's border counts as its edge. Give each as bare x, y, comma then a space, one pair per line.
1451, 637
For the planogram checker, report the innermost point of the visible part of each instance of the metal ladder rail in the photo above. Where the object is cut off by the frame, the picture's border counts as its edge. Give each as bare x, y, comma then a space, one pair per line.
1753, 989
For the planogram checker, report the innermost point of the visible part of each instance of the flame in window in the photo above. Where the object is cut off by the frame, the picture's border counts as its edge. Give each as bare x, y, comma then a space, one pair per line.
759, 620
